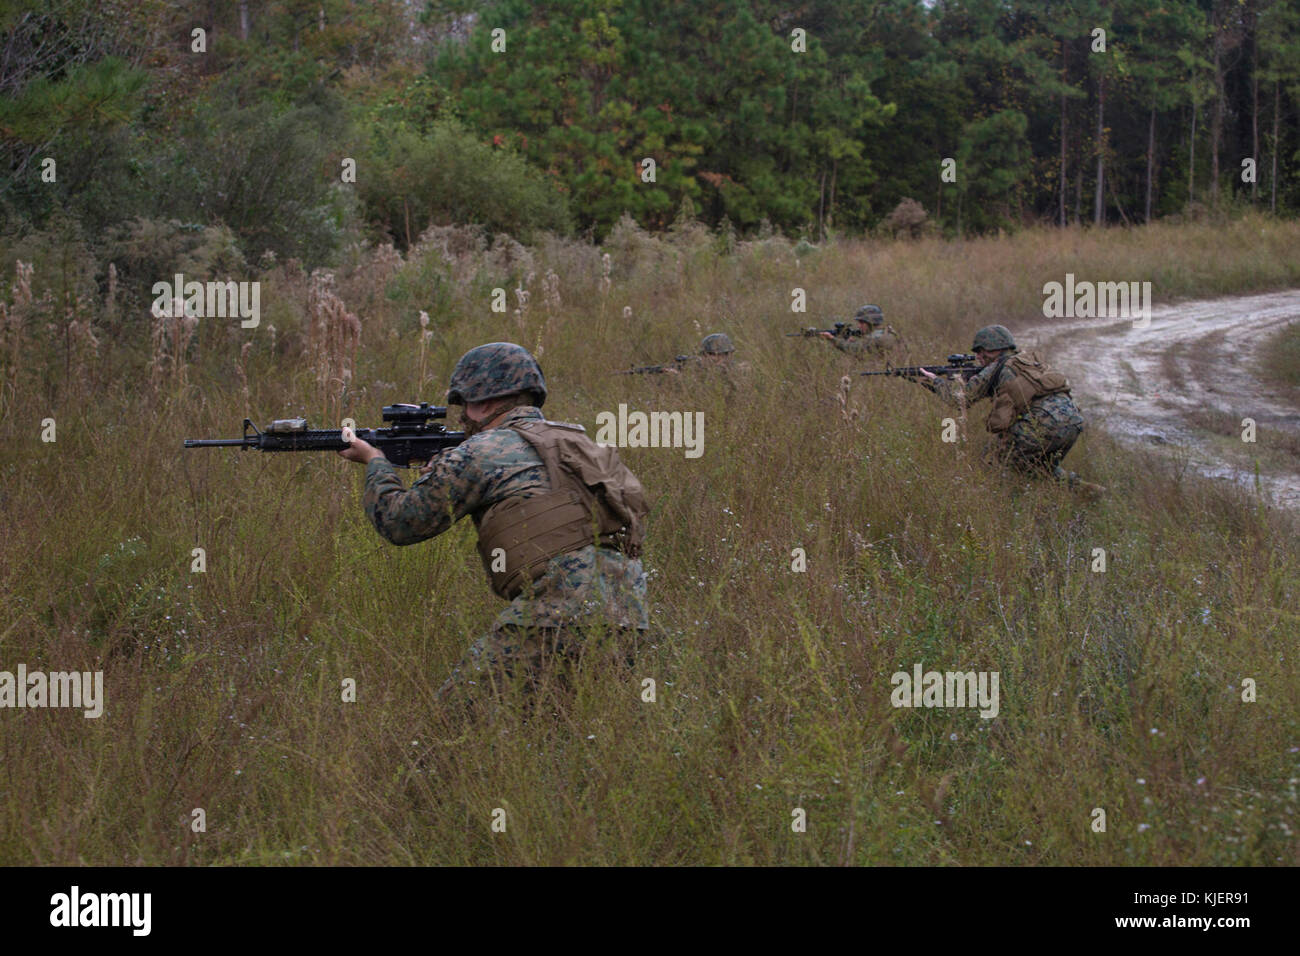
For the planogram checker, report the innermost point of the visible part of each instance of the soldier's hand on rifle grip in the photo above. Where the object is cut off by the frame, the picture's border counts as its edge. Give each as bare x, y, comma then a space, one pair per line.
359, 451
826, 335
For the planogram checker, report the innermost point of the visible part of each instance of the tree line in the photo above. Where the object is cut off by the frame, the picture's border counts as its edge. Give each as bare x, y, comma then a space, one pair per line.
816, 119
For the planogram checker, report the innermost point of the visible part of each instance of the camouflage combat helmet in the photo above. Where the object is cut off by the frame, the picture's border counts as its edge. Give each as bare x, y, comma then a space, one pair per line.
870, 313
493, 370
992, 338
719, 343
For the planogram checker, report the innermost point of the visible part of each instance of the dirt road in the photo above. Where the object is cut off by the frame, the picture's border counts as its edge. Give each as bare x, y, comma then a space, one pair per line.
1182, 385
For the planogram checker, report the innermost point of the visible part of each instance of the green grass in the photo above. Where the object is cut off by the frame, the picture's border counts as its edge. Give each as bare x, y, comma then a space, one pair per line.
1282, 356
1119, 689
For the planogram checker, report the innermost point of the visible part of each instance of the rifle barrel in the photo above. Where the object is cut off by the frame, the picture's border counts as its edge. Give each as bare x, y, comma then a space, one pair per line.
412, 437
914, 371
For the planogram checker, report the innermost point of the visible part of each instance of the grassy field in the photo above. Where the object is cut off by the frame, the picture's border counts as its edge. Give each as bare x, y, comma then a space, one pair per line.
1282, 359
1121, 689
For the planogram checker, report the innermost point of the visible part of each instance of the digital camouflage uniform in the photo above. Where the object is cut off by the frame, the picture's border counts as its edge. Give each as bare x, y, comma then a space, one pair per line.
875, 341
718, 343
880, 338
588, 587
732, 370
1038, 439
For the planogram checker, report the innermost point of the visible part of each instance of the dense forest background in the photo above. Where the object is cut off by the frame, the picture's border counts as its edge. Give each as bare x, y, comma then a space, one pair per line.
241, 133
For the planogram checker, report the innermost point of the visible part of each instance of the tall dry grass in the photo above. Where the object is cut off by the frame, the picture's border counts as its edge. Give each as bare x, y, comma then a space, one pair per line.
1119, 690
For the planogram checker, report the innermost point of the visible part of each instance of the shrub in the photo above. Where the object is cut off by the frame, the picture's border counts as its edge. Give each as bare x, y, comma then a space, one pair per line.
908, 219
414, 181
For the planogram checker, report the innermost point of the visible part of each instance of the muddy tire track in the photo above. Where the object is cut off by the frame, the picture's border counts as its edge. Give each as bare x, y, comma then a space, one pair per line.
1181, 386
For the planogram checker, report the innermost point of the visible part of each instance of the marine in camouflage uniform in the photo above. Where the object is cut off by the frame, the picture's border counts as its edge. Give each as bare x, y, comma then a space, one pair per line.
595, 587
717, 354
1034, 419
876, 337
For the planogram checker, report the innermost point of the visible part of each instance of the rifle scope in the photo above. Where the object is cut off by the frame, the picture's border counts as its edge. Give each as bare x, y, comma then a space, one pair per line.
410, 414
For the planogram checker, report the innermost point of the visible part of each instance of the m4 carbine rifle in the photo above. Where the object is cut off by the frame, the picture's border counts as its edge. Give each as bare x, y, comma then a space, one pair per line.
842, 330
967, 366
414, 436
676, 363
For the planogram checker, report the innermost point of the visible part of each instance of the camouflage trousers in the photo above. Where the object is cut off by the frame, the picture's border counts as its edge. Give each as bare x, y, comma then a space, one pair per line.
1038, 440
532, 655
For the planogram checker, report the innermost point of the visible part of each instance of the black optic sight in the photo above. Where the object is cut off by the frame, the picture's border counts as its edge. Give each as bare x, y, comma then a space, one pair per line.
413, 414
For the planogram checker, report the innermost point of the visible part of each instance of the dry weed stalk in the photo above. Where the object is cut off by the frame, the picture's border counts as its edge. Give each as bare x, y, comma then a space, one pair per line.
551, 291
333, 336
962, 447
385, 261
847, 412
110, 303
522, 295
542, 333
508, 257
462, 248
606, 267
426, 334
13, 325
22, 287
170, 337
80, 344
242, 367
13, 318
367, 283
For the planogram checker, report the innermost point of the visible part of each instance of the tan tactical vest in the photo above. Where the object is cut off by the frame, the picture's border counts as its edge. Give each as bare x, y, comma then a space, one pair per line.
594, 499
1033, 380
